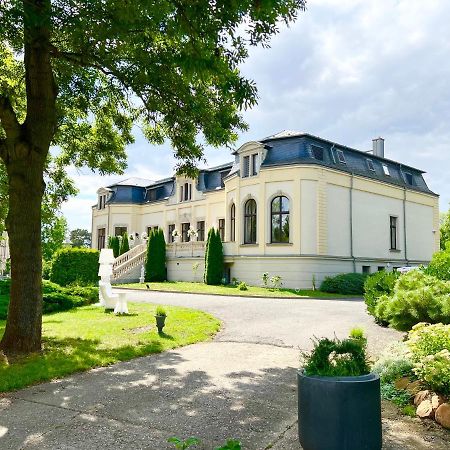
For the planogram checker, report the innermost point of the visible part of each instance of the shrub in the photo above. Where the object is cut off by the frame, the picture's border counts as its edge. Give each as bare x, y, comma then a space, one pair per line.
430, 350
336, 358
124, 244
75, 266
345, 283
418, 297
4, 286
439, 266
395, 362
376, 285
400, 397
214, 261
57, 298
155, 263
46, 269
242, 286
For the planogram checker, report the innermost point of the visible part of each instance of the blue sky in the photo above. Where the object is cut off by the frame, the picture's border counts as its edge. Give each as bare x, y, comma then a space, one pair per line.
348, 71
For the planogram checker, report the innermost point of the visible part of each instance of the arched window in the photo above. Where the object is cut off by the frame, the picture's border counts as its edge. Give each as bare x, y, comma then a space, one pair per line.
250, 222
233, 223
279, 219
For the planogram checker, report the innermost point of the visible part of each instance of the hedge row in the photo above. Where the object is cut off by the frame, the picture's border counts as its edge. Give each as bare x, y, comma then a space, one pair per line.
344, 283
55, 297
75, 266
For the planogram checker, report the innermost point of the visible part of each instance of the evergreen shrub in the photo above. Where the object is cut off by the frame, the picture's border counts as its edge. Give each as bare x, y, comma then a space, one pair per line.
344, 283
155, 263
417, 297
214, 261
75, 266
376, 285
124, 244
439, 266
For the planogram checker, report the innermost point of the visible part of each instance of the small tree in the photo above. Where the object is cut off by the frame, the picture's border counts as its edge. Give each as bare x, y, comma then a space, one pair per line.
114, 244
124, 245
214, 262
208, 239
155, 263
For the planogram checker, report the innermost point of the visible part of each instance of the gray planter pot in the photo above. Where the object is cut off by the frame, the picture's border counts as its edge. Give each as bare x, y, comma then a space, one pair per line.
339, 413
160, 323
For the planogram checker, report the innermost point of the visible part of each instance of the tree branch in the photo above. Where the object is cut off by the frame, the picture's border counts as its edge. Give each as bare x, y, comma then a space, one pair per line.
8, 118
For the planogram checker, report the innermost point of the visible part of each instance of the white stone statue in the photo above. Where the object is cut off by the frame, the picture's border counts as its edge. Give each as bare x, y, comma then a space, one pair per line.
142, 277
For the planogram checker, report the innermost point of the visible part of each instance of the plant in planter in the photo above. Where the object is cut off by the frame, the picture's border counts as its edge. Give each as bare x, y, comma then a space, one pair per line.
160, 317
176, 235
339, 404
192, 234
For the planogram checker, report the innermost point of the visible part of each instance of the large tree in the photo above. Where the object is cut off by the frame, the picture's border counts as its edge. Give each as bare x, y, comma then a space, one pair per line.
78, 73
80, 238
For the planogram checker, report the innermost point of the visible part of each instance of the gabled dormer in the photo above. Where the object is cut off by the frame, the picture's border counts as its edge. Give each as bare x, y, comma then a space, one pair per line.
103, 195
251, 156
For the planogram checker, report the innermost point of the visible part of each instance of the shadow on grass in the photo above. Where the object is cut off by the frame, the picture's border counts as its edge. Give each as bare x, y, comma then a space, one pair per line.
64, 356
163, 335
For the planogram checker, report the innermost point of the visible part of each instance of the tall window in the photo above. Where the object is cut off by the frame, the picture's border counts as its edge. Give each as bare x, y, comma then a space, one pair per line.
250, 222
170, 231
185, 192
184, 231
255, 164
246, 166
233, 223
222, 229
201, 230
393, 231
101, 238
102, 201
280, 219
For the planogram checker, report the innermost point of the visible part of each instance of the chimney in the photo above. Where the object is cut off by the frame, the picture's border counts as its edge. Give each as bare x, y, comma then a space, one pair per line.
378, 147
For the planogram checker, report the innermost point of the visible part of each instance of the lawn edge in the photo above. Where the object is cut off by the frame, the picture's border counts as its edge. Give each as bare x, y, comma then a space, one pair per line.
287, 297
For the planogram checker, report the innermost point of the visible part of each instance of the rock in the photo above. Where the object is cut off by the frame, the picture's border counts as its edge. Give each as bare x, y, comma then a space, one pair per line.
425, 410
414, 387
437, 400
401, 383
442, 415
421, 396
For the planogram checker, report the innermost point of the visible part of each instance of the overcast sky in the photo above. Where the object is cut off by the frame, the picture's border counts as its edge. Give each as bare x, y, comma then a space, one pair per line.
348, 71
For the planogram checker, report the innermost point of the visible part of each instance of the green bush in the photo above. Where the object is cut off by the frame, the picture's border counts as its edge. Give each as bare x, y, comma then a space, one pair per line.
155, 263
46, 269
55, 297
345, 283
242, 286
417, 297
214, 261
395, 362
430, 350
337, 358
124, 244
400, 397
376, 285
114, 244
75, 266
439, 266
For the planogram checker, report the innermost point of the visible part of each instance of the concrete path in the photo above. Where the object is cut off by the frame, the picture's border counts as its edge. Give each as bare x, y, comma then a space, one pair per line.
241, 385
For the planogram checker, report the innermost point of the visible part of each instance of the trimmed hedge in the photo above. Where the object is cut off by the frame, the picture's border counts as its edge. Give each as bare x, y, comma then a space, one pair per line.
214, 260
55, 298
75, 266
344, 283
376, 285
155, 263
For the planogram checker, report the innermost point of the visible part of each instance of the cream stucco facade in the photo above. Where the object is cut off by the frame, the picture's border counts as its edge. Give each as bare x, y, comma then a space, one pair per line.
338, 222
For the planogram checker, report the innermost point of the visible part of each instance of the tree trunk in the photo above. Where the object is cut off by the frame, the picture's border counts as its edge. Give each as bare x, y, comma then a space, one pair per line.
24, 325
24, 153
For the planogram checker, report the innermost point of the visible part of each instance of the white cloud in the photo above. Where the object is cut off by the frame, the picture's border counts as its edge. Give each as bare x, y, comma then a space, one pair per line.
347, 70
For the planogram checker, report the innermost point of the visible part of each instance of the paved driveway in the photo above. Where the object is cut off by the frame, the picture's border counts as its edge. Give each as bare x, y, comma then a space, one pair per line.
242, 385
278, 321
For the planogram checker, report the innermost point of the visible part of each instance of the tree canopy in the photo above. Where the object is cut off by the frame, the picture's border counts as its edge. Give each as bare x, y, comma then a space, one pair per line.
80, 238
77, 74
445, 229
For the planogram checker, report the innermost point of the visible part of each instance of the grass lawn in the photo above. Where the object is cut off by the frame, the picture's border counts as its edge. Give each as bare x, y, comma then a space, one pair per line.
87, 337
4, 301
252, 291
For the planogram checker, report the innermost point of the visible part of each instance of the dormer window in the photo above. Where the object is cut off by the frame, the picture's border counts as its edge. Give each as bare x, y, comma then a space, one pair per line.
317, 152
185, 192
386, 170
102, 201
370, 165
409, 178
341, 157
250, 165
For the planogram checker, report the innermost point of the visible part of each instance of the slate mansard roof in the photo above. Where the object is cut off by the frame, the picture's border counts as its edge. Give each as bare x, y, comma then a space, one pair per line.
283, 149
290, 148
